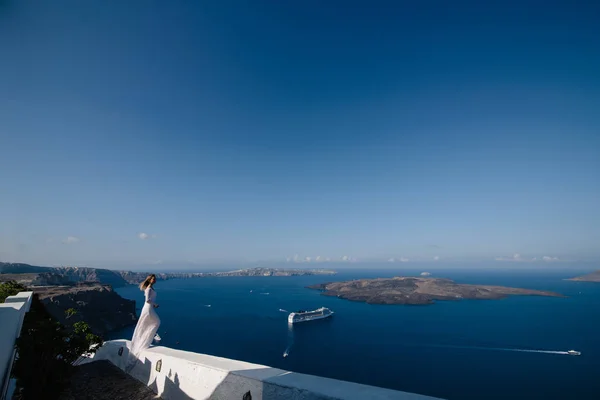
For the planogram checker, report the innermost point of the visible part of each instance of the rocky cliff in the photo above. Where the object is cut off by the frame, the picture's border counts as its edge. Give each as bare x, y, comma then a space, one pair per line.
37, 279
98, 305
45, 276
85, 274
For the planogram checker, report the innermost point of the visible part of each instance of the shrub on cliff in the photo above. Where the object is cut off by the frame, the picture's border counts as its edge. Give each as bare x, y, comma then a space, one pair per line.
70, 312
46, 351
10, 288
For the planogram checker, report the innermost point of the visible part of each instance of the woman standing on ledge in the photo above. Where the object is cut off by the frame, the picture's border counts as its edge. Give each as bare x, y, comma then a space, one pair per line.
147, 325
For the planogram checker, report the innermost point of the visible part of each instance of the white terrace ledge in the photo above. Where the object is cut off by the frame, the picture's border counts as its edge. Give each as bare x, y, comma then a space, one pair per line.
182, 375
12, 312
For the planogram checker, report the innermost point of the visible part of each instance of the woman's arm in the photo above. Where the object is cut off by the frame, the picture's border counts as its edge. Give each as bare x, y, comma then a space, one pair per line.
147, 296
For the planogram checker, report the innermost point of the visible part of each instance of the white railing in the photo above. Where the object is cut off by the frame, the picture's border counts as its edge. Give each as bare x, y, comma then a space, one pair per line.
12, 312
182, 375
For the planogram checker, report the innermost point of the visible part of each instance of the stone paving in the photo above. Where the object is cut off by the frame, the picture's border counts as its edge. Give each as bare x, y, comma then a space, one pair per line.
101, 380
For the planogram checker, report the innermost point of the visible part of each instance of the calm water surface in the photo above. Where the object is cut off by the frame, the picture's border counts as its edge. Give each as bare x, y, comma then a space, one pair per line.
450, 349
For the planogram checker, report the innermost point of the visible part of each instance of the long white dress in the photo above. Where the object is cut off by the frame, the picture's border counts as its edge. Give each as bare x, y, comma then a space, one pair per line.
146, 327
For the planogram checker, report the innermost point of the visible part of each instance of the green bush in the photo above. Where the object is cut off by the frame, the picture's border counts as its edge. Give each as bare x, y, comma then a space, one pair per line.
10, 288
46, 351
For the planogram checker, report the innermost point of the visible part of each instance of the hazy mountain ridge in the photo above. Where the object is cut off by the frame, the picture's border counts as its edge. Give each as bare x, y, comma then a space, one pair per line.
48, 276
20, 268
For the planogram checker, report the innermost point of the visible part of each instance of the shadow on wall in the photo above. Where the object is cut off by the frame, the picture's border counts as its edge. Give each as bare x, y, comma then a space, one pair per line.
172, 390
263, 383
251, 384
10, 318
170, 383
274, 384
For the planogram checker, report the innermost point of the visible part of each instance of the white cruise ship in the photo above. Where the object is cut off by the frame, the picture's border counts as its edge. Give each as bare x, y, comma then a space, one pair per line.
303, 316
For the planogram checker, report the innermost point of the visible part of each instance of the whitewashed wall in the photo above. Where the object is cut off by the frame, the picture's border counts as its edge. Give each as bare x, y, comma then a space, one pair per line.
182, 375
12, 312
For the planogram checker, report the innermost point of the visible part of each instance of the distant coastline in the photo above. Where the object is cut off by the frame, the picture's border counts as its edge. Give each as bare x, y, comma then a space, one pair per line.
591, 277
418, 291
51, 276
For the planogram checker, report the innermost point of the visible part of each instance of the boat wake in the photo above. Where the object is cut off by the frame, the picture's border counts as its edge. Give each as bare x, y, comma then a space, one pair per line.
282, 310
538, 351
290, 340
208, 305
267, 293
506, 349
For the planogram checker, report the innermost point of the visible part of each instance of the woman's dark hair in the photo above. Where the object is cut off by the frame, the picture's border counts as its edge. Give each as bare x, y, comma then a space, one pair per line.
147, 282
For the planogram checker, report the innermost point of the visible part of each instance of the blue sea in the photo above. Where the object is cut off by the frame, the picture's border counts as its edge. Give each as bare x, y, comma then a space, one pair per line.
452, 350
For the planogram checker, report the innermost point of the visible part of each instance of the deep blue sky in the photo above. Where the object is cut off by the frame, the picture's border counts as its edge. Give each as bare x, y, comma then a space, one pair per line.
227, 131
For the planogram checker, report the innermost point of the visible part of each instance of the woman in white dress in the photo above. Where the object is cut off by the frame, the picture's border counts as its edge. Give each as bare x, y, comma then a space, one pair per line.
148, 323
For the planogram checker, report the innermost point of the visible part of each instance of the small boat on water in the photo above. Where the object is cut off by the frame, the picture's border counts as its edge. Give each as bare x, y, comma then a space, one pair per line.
304, 316
574, 353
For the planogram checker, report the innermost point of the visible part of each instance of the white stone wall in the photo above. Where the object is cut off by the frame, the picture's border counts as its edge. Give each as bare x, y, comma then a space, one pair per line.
12, 312
182, 375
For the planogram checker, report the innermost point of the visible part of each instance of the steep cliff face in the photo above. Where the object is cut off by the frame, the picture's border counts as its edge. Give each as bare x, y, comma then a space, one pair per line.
135, 278
43, 279
51, 279
84, 274
98, 305
43, 276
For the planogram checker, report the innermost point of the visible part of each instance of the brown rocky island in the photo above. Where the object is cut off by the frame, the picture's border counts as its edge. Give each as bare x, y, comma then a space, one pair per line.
417, 291
591, 277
